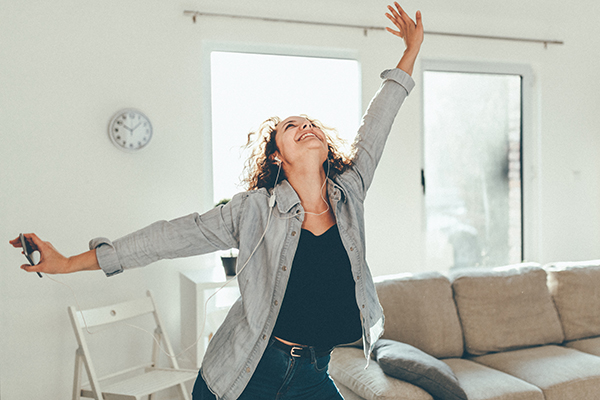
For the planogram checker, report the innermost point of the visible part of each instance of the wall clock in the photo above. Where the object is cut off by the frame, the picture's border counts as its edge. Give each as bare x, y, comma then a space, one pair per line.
130, 130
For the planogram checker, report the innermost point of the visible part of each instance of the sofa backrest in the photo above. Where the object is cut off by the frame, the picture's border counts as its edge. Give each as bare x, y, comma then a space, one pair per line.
575, 288
505, 308
419, 310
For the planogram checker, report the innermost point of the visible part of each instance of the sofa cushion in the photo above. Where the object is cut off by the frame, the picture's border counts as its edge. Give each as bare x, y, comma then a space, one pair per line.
410, 364
484, 383
561, 373
419, 310
347, 367
590, 345
575, 288
505, 308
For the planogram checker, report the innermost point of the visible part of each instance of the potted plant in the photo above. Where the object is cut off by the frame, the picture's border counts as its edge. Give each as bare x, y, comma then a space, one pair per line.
229, 260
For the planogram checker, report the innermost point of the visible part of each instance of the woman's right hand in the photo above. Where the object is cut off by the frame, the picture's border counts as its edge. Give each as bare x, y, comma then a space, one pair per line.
51, 261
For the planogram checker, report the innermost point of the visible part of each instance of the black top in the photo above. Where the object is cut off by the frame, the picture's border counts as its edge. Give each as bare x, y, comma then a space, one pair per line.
319, 307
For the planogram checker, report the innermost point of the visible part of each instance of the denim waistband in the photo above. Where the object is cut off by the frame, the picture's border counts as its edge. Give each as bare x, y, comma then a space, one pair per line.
301, 351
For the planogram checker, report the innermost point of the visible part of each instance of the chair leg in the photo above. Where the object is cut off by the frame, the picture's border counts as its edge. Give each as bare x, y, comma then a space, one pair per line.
77, 376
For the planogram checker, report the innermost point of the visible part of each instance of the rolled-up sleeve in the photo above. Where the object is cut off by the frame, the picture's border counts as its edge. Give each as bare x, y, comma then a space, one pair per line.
400, 77
106, 256
191, 235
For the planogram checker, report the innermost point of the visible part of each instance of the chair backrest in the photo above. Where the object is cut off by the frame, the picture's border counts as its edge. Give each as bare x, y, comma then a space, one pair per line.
85, 320
94, 317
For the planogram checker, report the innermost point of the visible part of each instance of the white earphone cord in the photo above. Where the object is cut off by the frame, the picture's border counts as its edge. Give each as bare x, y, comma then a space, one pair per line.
205, 303
322, 198
271, 205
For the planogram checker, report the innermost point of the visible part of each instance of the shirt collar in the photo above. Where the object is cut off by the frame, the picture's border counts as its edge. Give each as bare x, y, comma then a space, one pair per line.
285, 197
336, 191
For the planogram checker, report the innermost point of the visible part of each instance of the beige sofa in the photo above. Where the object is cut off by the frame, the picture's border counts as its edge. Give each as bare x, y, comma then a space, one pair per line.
514, 333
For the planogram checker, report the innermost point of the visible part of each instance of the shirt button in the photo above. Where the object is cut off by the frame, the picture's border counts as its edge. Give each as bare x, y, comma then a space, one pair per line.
294, 233
277, 303
264, 337
284, 268
351, 248
357, 277
363, 306
248, 369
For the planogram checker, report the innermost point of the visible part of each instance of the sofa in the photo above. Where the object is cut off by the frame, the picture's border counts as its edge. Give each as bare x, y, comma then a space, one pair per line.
520, 332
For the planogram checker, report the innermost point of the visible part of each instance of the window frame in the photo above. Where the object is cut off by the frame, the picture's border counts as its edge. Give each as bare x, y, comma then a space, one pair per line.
530, 146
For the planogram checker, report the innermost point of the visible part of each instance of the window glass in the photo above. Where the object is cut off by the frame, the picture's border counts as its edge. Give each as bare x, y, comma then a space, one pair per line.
472, 171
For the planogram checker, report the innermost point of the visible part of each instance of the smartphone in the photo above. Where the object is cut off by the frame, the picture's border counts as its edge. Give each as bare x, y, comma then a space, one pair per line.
27, 250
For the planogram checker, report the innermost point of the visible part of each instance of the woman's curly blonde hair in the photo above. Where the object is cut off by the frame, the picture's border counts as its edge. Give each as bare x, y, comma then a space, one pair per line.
260, 169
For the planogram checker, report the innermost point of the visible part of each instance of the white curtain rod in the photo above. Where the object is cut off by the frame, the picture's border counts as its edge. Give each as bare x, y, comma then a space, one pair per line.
195, 14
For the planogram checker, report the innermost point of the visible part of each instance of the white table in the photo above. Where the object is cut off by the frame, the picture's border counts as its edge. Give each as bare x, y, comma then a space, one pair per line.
196, 288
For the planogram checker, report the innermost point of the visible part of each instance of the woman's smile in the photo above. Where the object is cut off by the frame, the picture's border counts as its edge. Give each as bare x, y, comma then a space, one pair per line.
307, 135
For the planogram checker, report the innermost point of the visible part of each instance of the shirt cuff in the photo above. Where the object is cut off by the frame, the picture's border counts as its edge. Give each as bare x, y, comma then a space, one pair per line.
106, 256
399, 76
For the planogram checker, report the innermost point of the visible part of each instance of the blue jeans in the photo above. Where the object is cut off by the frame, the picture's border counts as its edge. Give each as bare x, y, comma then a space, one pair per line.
279, 376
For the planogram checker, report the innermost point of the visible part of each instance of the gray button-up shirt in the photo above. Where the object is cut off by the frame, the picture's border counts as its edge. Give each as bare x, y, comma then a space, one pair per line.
237, 347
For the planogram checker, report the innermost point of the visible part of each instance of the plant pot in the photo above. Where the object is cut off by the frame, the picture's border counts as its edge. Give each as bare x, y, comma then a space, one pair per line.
229, 264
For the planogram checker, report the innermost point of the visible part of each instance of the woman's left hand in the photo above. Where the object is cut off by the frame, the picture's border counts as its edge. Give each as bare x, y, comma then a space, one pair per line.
410, 32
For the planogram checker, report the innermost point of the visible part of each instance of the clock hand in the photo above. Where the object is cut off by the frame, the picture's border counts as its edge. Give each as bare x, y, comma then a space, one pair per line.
139, 123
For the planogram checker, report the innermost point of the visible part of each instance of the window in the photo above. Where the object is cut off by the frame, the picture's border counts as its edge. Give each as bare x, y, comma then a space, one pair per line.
472, 168
248, 88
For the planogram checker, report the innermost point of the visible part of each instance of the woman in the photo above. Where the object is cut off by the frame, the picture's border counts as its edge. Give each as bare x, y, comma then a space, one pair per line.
305, 285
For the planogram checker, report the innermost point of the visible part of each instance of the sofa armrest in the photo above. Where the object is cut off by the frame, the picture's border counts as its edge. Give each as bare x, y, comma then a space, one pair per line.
347, 367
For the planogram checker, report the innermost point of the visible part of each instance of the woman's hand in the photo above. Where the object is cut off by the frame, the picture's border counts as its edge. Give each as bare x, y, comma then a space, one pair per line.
410, 32
51, 261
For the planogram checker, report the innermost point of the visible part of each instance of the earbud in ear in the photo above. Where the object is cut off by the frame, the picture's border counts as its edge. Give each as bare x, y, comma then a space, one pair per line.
277, 160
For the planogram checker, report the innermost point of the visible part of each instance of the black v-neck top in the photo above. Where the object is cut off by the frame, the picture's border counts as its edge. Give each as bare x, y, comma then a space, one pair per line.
319, 307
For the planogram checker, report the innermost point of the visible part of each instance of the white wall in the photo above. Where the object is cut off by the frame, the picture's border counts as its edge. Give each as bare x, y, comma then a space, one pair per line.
67, 66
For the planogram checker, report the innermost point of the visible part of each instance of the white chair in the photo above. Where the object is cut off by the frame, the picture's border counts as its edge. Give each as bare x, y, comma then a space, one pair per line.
125, 384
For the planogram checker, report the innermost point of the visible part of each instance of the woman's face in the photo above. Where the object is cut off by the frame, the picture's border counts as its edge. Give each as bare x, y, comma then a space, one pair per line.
298, 140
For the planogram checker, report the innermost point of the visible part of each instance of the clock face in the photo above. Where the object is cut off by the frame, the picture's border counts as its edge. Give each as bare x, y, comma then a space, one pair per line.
130, 130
